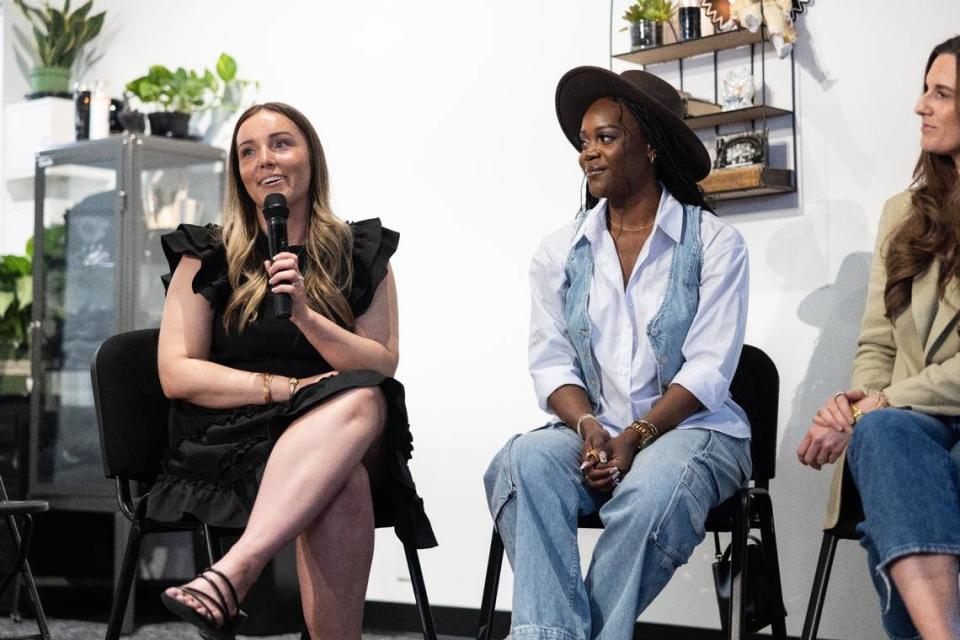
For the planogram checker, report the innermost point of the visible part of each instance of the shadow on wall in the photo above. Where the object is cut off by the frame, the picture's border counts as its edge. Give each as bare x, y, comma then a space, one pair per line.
836, 309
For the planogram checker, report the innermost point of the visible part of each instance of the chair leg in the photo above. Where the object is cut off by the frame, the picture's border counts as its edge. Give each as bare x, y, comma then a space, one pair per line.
420, 592
737, 629
128, 568
21, 567
31, 586
491, 585
818, 592
764, 508
209, 535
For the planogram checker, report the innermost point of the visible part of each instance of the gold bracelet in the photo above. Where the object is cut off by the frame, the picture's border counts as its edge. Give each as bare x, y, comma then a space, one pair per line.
857, 413
267, 391
882, 401
293, 386
580, 421
647, 430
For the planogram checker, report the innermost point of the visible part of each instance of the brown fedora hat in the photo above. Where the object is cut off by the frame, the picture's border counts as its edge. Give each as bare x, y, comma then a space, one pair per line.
581, 87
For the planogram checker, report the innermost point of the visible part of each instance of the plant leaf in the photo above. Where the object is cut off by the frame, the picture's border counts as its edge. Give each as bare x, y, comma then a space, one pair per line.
226, 67
24, 289
92, 28
7, 299
82, 10
57, 23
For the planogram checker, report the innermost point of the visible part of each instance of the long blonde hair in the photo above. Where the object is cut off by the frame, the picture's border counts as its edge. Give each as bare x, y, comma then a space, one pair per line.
328, 241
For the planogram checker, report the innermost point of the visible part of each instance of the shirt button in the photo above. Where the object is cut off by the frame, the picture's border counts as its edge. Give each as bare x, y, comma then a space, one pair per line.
654, 332
663, 359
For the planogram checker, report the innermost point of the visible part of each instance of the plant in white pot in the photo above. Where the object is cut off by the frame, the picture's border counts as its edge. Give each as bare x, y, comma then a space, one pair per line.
58, 37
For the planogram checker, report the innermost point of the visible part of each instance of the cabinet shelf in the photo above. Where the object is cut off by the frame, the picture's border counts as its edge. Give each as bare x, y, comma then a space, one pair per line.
690, 48
747, 182
737, 115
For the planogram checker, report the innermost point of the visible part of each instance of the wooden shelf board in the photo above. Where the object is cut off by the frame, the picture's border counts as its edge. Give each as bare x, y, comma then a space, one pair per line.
690, 48
737, 115
747, 182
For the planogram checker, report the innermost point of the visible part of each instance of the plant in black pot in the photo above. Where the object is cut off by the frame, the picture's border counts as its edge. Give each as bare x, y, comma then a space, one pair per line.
177, 94
58, 37
182, 93
646, 18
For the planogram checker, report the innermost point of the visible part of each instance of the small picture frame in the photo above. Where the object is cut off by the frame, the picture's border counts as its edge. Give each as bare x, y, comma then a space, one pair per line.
741, 150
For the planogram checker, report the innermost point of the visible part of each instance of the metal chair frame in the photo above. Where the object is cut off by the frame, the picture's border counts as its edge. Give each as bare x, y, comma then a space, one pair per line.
142, 345
750, 508
25, 509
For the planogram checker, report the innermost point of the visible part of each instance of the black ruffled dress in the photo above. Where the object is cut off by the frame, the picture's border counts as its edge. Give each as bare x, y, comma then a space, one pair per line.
216, 457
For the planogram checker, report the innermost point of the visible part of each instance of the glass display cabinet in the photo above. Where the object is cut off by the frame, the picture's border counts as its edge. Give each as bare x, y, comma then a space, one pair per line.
100, 209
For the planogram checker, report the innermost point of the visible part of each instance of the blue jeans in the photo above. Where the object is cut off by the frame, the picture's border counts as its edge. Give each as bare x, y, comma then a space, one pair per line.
653, 521
901, 463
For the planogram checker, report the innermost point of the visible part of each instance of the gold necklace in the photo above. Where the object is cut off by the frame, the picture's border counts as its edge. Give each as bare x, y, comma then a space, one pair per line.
623, 228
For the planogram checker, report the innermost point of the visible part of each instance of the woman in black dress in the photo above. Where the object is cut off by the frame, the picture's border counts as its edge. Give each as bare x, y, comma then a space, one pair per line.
283, 426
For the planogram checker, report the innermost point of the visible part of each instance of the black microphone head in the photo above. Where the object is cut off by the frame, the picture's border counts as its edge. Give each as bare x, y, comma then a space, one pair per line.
275, 206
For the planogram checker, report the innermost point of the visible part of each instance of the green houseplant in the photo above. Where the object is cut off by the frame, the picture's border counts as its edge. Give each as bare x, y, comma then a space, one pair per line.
176, 95
646, 18
58, 35
16, 298
16, 301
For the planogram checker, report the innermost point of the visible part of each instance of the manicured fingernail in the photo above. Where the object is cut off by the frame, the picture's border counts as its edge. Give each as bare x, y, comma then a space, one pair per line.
584, 466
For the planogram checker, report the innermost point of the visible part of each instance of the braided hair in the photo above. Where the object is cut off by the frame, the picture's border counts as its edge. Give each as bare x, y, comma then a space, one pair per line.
671, 171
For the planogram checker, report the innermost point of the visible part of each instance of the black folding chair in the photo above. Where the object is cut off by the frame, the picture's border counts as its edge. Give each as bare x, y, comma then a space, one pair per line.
23, 509
851, 514
755, 387
132, 417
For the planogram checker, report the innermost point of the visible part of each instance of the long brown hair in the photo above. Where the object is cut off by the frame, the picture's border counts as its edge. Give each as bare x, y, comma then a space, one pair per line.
932, 230
328, 240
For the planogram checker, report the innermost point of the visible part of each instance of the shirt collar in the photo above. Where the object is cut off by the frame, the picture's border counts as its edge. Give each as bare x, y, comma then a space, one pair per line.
669, 219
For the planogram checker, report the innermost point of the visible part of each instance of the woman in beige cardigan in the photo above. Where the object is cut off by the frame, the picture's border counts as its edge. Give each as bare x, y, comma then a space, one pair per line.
902, 416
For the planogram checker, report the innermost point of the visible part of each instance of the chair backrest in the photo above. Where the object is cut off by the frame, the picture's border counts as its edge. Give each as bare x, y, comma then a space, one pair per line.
132, 411
756, 388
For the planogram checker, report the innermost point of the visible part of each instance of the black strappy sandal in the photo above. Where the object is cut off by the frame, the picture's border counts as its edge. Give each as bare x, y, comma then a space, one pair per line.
206, 623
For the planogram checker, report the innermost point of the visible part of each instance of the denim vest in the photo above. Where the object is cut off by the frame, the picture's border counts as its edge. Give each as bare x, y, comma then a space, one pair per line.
668, 328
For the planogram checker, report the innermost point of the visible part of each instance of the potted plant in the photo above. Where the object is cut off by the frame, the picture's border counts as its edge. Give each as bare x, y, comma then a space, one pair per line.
58, 36
16, 298
646, 18
179, 94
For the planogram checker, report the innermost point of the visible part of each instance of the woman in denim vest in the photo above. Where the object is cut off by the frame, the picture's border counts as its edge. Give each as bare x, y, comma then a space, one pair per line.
638, 312
901, 417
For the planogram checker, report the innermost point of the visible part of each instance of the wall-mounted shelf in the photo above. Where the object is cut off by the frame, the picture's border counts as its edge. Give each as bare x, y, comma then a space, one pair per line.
737, 115
691, 48
747, 182
740, 182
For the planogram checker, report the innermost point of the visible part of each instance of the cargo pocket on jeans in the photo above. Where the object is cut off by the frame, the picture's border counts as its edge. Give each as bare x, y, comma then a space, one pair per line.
681, 527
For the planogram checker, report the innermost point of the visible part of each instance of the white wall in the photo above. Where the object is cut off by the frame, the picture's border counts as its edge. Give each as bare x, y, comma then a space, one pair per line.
438, 117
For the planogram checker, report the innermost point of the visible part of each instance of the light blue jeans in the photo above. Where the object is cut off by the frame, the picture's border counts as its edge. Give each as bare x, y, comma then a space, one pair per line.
901, 463
653, 521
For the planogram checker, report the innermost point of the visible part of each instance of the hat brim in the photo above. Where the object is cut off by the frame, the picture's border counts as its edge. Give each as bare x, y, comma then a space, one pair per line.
581, 87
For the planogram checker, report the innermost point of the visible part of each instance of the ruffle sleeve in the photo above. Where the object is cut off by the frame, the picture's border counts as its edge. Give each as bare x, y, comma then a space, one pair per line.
373, 245
204, 243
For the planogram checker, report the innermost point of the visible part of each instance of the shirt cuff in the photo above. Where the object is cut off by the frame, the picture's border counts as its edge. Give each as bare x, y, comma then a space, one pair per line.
705, 382
548, 380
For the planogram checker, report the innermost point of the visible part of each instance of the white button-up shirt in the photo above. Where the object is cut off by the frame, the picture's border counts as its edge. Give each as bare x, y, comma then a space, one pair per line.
619, 317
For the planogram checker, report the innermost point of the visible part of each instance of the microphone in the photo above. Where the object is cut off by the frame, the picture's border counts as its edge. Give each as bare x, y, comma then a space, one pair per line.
276, 212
